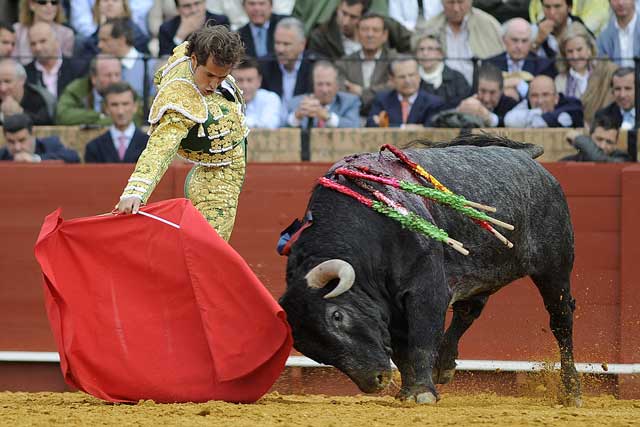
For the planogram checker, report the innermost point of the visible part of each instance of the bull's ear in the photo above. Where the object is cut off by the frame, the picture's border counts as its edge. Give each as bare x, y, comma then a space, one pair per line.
323, 273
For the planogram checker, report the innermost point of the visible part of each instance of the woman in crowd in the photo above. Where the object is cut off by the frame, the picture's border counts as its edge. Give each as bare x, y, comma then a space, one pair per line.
437, 78
32, 11
106, 9
577, 50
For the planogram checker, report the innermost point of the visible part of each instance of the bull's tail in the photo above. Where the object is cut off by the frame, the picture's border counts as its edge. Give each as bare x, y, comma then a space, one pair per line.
483, 140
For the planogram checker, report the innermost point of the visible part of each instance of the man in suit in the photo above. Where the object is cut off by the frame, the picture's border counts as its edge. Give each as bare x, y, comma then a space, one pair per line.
22, 146
366, 72
123, 142
192, 15
406, 105
257, 35
622, 110
489, 102
288, 74
19, 96
264, 108
325, 107
518, 57
116, 39
621, 38
545, 108
49, 68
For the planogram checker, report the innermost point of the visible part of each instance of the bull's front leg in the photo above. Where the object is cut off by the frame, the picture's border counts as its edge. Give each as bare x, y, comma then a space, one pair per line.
416, 356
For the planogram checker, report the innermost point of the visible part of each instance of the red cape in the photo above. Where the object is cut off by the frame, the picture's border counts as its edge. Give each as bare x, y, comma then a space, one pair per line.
143, 310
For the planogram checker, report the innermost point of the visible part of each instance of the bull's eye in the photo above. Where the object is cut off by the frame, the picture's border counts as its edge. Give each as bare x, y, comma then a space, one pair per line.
337, 316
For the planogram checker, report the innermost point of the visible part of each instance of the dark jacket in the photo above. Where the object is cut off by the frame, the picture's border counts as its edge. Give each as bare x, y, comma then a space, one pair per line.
89, 47
503, 10
39, 104
534, 64
422, 110
454, 87
247, 36
505, 105
272, 75
327, 42
569, 105
66, 74
168, 31
588, 151
102, 149
48, 149
613, 112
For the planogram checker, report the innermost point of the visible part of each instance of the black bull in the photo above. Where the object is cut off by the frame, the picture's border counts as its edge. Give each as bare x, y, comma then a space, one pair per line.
404, 282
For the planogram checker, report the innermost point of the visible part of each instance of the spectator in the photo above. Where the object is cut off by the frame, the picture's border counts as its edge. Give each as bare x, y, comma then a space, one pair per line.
84, 22
289, 74
466, 33
577, 47
22, 146
620, 40
504, 10
409, 13
337, 38
318, 12
234, 10
598, 93
48, 11
437, 78
551, 28
104, 10
594, 13
7, 40
622, 110
545, 108
257, 35
123, 142
19, 96
406, 105
49, 69
116, 39
517, 59
366, 72
161, 11
489, 102
264, 108
192, 15
326, 106
600, 146
81, 101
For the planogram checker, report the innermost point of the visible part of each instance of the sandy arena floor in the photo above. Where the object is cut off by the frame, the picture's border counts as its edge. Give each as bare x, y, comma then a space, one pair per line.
78, 409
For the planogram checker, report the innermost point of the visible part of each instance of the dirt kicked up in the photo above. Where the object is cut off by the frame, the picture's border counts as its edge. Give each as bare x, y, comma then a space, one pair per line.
78, 409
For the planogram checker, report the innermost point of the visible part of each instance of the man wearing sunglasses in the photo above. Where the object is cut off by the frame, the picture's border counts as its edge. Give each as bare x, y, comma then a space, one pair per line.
192, 15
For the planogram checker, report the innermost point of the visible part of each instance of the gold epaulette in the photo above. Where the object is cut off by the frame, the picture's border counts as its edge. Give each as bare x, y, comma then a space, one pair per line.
182, 96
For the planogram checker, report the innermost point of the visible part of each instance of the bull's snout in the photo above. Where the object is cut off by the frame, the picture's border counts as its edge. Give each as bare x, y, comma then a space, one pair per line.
375, 381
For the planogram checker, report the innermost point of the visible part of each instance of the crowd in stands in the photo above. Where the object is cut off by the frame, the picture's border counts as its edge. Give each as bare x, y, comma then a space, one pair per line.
327, 63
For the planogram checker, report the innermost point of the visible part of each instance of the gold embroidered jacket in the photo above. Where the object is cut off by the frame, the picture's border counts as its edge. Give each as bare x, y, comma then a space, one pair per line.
201, 129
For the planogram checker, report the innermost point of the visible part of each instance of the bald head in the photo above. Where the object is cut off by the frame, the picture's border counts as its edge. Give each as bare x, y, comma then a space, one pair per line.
517, 38
44, 43
542, 94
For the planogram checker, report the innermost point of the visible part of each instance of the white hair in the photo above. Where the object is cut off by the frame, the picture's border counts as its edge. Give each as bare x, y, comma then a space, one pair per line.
292, 23
21, 74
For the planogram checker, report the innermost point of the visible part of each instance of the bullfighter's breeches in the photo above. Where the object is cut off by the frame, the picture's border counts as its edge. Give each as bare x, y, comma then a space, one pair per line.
214, 191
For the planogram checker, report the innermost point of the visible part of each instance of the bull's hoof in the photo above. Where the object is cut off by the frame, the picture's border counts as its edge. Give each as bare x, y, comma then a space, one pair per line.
571, 401
423, 397
443, 376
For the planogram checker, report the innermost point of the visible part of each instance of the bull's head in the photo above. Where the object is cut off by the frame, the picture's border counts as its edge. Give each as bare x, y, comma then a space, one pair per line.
345, 328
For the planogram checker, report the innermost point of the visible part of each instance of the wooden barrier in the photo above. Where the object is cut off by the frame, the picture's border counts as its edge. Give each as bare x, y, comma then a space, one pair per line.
603, 199
329, 145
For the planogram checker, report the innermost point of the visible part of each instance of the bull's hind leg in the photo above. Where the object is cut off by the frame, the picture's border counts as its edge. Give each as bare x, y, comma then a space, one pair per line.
464, 314
560, 305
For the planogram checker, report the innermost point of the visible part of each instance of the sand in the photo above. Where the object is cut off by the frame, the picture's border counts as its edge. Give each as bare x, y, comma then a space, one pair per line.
79, 409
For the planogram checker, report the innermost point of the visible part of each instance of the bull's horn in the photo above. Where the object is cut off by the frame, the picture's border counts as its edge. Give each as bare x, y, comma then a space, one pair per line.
323, 273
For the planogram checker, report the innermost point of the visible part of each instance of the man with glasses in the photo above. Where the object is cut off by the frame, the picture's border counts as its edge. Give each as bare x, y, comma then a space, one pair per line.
192, 15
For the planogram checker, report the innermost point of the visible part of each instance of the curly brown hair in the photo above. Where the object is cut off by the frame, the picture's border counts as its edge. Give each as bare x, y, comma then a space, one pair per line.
218, 42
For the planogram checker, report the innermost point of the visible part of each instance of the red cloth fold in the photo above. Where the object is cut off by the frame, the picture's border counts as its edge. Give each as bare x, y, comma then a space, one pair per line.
143, 310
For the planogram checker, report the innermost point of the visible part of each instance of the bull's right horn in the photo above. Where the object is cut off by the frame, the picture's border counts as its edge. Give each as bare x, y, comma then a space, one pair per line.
324, 272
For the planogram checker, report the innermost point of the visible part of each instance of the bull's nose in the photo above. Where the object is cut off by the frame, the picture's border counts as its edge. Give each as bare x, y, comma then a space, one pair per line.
383, 378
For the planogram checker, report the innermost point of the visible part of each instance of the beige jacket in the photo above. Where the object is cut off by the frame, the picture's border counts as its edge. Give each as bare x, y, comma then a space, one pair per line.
485, 37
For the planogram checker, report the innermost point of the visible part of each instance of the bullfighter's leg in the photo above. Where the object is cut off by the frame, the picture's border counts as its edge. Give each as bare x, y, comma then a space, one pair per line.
464, 314
560, 305
417, 357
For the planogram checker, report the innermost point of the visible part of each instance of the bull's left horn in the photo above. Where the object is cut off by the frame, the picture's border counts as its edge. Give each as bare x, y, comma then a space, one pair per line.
324, 272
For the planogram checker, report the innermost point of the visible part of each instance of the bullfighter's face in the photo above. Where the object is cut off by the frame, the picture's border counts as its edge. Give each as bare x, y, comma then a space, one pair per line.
209, 76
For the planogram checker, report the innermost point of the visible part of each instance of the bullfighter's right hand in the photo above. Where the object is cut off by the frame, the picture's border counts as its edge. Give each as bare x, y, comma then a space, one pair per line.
128, 205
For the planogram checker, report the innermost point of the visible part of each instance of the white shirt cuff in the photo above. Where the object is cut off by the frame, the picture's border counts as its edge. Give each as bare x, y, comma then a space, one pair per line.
333, 121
